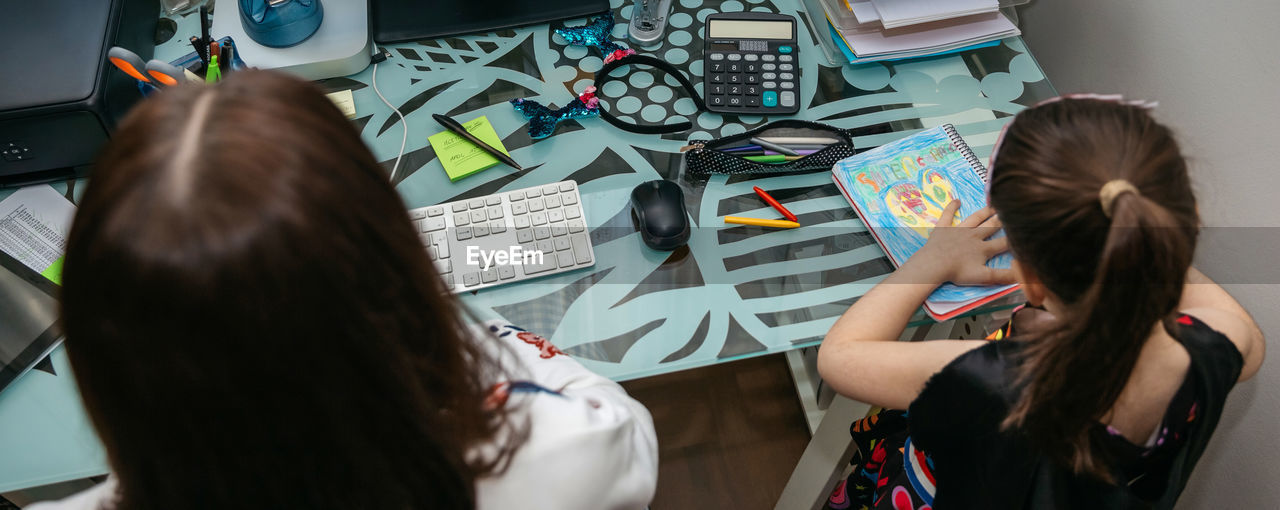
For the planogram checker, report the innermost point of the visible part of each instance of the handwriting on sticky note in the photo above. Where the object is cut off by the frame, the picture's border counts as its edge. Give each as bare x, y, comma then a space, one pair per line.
460, 157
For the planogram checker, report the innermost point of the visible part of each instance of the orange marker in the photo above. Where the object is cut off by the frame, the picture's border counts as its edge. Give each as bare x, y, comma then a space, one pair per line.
775, 204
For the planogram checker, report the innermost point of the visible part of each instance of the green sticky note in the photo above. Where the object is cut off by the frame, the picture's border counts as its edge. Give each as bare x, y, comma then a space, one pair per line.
54, 271
459, 156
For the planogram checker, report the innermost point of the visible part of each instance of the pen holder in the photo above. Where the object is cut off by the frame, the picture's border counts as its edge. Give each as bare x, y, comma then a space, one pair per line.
705, 156
192, 62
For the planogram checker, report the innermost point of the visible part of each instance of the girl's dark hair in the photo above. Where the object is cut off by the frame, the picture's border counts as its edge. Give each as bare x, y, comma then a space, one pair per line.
254, 322
1118, 276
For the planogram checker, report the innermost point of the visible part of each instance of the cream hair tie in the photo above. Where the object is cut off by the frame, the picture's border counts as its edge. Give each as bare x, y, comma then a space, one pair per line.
1112, 189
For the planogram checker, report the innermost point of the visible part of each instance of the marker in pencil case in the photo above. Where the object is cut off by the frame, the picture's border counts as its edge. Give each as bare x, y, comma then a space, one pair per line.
776, 158
761, 152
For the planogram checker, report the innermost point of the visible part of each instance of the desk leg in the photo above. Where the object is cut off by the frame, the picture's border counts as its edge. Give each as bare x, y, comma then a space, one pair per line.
825, 459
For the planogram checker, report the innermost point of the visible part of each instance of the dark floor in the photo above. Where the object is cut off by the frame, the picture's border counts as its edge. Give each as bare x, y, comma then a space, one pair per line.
728, 435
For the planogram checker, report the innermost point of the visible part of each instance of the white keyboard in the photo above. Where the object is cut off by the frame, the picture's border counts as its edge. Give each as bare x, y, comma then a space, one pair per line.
506, 237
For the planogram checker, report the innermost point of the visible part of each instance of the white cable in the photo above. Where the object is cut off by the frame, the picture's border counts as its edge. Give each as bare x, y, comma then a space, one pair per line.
404, 124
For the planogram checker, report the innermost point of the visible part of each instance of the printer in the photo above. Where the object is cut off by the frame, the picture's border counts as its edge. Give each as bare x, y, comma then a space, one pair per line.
60, 97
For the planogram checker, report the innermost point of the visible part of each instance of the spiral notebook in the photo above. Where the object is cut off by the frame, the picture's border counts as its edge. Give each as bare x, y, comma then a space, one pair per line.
899, 190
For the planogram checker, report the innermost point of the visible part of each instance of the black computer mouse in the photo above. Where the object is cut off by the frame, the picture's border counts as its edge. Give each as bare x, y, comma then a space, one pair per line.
658, 210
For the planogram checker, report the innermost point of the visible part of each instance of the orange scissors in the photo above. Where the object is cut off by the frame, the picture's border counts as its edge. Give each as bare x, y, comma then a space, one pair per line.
155, 72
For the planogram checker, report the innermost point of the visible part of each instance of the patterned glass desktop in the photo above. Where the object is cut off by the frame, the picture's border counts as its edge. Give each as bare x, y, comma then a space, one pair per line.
732, 292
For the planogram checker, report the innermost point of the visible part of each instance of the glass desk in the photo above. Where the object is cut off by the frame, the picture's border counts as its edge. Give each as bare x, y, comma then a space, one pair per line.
732, 292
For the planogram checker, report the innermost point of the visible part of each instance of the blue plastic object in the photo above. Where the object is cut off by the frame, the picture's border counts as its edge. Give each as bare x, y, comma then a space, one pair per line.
769, 99
282, 25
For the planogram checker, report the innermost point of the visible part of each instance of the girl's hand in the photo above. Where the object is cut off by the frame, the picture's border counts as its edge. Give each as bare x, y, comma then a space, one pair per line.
959, 254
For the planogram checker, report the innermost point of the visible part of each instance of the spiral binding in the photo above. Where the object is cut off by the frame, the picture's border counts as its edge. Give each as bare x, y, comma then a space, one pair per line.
965, 151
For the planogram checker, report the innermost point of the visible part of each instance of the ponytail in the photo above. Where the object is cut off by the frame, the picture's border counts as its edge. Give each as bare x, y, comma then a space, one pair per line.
1074, 376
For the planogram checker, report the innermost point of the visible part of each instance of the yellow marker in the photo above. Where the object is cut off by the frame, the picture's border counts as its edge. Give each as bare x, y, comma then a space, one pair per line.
760, 223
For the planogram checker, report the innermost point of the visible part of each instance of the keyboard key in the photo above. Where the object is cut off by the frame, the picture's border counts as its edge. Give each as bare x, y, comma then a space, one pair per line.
442, 248
524, 235
562, 244
444, 266
564, 258
552, 202
535, 192
431, 252
515, 196
435, 211
786, 76
506, 272
735, 90
788, 85
717, 67
433, 224
751, 78
522, 221
471, 279
786, 58
546, 246
769, 85
461, 219
735, 67
555, 216
570, 199
768, 58
463, 233
480, 230
417, 214
495, 212
733, 57
581, 248
475, 203
459, 206
717, 56
735, 101
768, 76
768, 67
786, 67
716, 100
559, 229
535, 205
497, 227
734, 78
576, 226
492, 200
572, 212
519, 208
566, 186
716, 78
541, 232
769, 99
717, 90
753, 101
550, 189
440, 239
477, 216
751, 57
489, 275
750, 68
538, 218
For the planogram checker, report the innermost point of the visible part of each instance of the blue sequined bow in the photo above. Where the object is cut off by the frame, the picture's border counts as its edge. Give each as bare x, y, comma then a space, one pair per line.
598, 33
543, 120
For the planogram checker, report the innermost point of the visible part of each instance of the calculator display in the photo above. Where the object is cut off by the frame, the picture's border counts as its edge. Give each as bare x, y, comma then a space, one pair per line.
746, 29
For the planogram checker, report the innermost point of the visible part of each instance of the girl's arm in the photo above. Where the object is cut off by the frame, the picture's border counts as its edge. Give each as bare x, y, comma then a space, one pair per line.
860, 356
1209, 302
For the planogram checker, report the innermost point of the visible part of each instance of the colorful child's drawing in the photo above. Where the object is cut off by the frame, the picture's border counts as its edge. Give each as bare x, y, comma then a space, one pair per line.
901, 189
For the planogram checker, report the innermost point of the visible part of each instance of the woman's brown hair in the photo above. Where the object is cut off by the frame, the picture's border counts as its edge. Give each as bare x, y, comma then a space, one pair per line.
1117, 276
253, 320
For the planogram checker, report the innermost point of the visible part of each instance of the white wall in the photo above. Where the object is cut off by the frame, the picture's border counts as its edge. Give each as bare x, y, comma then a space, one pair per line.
1217, 79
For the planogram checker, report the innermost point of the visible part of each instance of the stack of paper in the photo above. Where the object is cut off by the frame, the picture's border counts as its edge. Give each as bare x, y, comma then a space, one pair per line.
901, 13
874, 30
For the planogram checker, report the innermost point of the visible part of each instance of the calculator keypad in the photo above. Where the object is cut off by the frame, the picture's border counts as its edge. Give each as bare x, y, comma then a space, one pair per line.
752, 80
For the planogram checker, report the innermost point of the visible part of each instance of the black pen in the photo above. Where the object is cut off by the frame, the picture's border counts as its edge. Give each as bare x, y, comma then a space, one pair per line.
201, 51
204, 26
453, 125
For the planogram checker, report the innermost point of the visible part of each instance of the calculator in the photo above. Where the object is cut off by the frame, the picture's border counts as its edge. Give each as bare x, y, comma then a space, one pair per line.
750, 64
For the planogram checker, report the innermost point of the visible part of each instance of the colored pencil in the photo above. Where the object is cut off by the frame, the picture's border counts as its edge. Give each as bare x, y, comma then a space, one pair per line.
774, 147
775, 204
757, 222
775, 158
